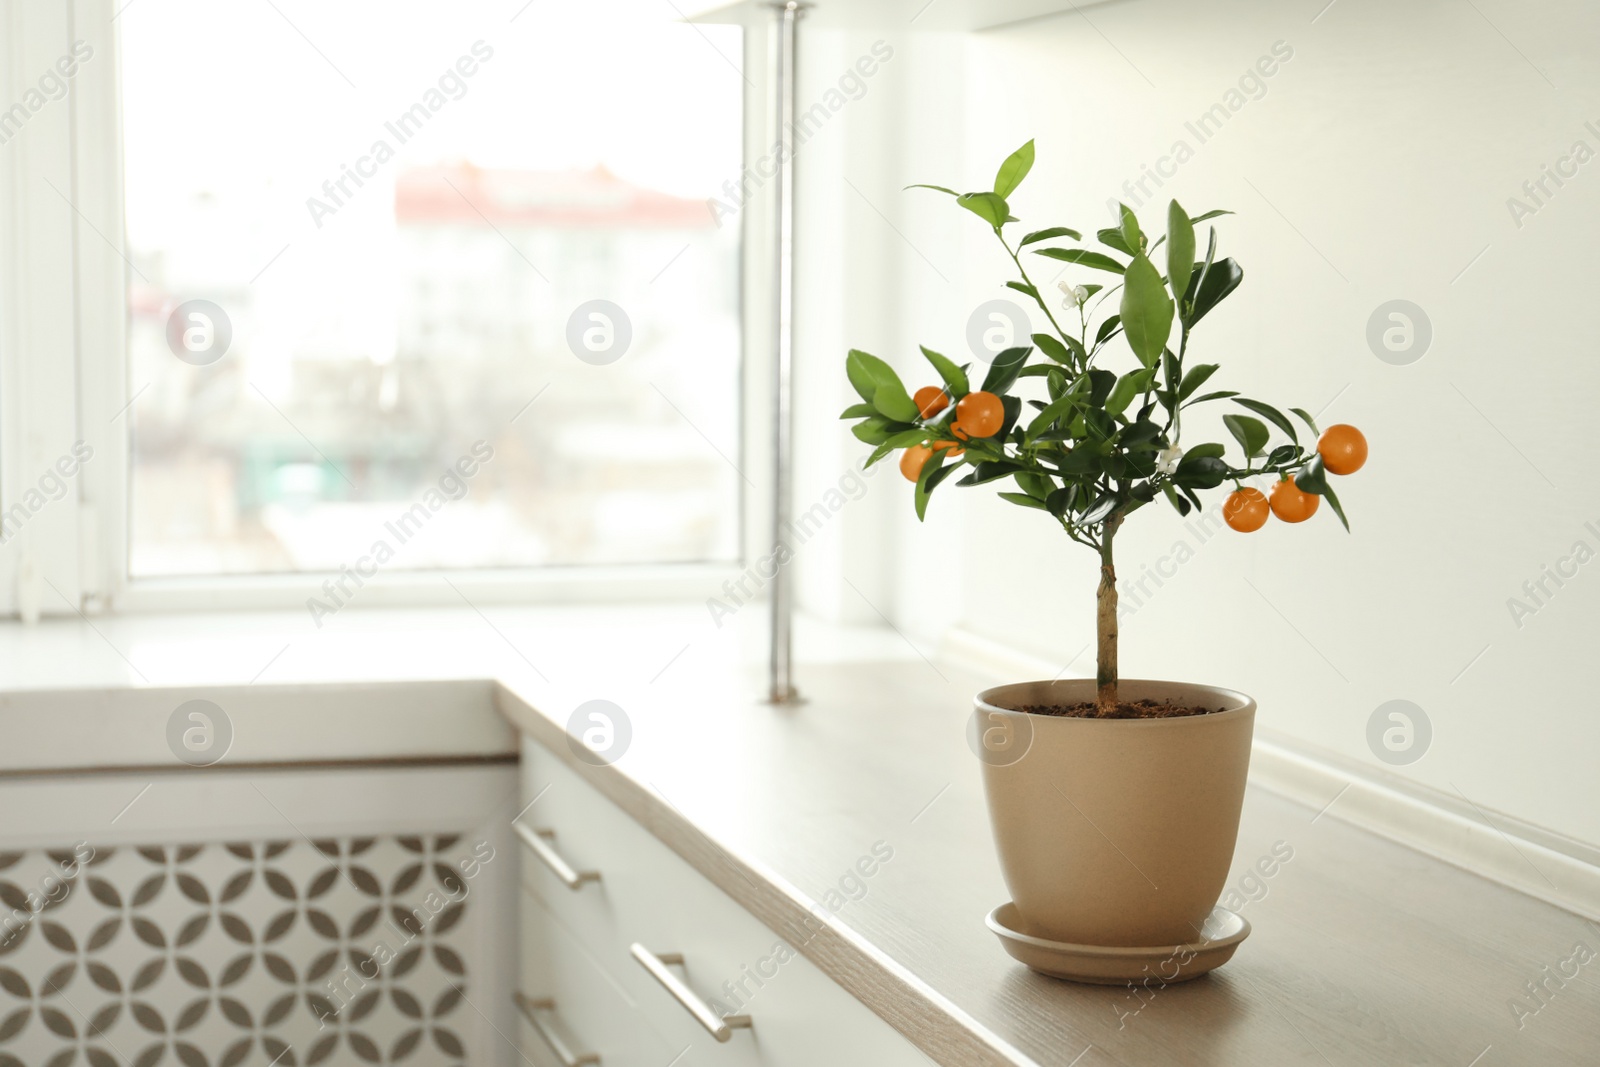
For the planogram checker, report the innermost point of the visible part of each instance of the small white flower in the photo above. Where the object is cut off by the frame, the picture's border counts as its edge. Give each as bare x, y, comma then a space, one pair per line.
1167, 460
1075, 295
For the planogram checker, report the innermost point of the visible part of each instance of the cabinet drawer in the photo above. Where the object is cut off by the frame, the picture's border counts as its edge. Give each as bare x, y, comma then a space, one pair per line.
572, 830
799, 1016
571, 1011
609, 914
647, 895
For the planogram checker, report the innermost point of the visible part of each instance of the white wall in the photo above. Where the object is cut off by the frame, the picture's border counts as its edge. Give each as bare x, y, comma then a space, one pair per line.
1377, 165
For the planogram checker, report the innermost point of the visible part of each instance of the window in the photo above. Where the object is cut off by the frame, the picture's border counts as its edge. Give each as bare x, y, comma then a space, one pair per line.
429, 286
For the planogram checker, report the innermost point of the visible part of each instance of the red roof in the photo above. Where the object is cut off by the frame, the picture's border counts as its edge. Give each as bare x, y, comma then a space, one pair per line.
588, 199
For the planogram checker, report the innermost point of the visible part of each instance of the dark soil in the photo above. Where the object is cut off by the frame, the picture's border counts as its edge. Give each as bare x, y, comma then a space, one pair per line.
1138, 709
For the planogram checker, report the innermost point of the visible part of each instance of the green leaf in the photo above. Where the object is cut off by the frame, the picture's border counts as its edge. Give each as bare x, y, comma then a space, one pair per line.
1180, 248
1222, 394
1107, 330
896, 441
1207, 472
1141, 435
1111, 237
1083, 459
1131, 234
1083, 257
907, 437
868, 374
1101, 382
892, 400
1271, 414
1200, 278
1078, 386
1307, 419
1052, 348
1024, 500
1208, 216
1013, 170
933, 472
935, 188
942, 473
1024, 288
1128, 386
1146, 310
1250, 433
1210, 287
1013, 410
858, 411
1180, 505
879, 452
1038, 486
1046, 418
1195, 378
989, 207
1061, 500
1004, 370
1338, 509
873, 431
863, 371
1198, 452
955, 379
880, 386
990, 470
1313, 478
1050, 234
1100, 510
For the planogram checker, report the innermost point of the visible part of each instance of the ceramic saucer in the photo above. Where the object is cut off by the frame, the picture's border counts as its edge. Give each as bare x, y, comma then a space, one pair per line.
1220, 934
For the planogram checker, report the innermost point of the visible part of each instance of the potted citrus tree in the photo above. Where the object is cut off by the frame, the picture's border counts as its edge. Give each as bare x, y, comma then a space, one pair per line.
1114, 802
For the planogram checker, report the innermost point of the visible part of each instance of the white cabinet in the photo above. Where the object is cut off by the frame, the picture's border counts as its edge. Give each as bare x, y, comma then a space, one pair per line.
572, 1012
617, 925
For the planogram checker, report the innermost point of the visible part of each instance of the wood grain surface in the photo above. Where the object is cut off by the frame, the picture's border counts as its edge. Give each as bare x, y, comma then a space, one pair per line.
1363, 951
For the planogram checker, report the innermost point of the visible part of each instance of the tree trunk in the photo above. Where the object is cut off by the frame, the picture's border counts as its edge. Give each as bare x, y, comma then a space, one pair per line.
1106, 625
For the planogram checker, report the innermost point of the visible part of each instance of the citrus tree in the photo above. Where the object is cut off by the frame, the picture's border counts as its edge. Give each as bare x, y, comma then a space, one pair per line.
1097, 441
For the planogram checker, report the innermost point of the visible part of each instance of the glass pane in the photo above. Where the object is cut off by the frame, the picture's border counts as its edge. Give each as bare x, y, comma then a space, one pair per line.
430, 285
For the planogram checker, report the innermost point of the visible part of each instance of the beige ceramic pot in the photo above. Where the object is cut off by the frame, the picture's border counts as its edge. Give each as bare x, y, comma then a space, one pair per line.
1114, 831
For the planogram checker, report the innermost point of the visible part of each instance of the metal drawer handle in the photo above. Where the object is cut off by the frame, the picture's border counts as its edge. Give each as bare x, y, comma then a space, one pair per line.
529, 1007
720, 1027
536, 842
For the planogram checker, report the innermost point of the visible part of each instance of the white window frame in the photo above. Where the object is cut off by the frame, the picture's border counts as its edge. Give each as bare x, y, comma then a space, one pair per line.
64, 363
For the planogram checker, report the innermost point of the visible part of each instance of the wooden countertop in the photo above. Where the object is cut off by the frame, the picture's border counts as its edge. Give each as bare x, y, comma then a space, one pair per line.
1362, 952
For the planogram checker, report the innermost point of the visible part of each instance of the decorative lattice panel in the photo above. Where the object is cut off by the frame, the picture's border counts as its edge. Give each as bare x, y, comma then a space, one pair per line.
279, 952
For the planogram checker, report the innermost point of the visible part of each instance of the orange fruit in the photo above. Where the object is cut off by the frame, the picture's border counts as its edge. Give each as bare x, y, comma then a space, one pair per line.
980, 414
1293, 504
912, 462
930, 400
940, 446
1343, 449
1246, 510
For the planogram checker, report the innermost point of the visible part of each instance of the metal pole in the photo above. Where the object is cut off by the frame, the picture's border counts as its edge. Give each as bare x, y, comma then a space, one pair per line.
782, 689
